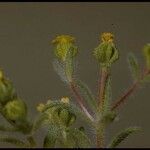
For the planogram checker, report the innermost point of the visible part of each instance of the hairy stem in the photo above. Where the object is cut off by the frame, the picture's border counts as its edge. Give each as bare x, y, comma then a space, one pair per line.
102, 84
79, 99
129, 91
101, 98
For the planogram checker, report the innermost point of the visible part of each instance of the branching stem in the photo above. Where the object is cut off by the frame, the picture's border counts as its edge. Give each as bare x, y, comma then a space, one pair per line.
129, 91
79, 99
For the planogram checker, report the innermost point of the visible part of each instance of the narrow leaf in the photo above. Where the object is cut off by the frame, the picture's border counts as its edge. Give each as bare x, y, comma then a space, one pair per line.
122, 136
13, 141
69, 65
134, 66
72, 108
86, 92
39, 122
59, 68
79, 138
51, 137
7, 129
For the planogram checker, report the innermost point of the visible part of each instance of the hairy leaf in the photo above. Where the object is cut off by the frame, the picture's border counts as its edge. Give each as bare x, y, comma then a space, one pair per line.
54, 134
72, 108
89, 97
59, 68
8, 129
13, 141
134, 66
78, 138
69, 66
39, 122
122, 136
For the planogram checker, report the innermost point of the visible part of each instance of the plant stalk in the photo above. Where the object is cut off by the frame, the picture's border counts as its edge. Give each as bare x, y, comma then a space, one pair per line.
129, 91
79, 99
100, 131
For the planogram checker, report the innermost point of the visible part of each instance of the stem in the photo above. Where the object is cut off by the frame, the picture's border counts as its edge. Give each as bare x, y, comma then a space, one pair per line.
80, 100
102, 84
129, 91
100, 131
125, 96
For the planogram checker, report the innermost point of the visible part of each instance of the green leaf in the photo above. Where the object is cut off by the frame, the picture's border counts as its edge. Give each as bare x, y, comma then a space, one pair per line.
59, 68
78, 138
72, 108
8, 129
40, 121
86, 92
51, 137
134, 66
69, 66
13, 141
146, 79
122, 136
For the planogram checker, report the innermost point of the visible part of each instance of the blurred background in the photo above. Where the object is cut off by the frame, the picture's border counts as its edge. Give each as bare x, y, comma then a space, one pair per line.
26, 54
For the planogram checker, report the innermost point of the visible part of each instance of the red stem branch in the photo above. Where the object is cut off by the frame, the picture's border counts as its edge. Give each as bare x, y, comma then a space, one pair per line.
79, 99
129, 91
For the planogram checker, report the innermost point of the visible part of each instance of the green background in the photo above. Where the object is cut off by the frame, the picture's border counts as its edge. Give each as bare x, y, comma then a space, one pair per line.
26, 32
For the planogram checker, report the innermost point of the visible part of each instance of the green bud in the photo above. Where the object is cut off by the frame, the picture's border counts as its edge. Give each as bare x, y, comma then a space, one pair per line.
63, 44
72, 119
106, 53
146, 51
109, 117
7, 91
66, 117
82, 129
15, 110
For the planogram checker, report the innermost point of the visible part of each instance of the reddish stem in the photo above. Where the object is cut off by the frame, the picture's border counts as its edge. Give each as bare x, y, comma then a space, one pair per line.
102, 84
79, 99
129, 91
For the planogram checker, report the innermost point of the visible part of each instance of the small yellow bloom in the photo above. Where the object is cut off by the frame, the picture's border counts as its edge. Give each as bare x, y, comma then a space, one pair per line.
107, 37
40, 107
63, 39
1, 74
65, 100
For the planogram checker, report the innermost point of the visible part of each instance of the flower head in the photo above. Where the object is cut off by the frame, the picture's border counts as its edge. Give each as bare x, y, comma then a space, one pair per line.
1, 74
106, 52
64, 46
63, 39
65, 100
107, 37
40, 107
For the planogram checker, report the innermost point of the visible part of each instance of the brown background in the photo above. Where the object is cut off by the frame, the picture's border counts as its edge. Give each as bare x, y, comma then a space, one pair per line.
26, 30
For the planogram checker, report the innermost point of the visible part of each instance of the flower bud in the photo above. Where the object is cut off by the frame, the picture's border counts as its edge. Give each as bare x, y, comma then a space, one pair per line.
66, 117
106, 53
146, 51
15, 110
7, 91
109, 117
64, 43
65, 100
72, 119
40, 107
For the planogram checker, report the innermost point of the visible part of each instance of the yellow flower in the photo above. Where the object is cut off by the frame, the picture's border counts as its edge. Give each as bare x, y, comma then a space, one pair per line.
63, 45
63, 39
65, 100
1, 74
107, 37
40, 107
